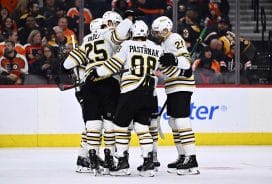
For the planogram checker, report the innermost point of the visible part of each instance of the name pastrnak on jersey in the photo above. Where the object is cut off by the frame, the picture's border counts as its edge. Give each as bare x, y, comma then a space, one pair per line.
139, 58
174, 82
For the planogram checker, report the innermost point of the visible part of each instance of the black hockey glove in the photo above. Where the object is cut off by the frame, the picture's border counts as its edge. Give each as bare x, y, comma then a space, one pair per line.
168, 59
92, 74
134, 13
186, 73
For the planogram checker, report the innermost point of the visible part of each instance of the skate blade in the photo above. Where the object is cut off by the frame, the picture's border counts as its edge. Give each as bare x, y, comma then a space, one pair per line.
81, 169
122, 172
192, 171
96, 172
106, 171
172, 170
148, 173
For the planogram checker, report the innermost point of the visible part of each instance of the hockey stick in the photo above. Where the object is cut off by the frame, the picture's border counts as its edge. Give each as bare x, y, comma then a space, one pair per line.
63, 87
198, 41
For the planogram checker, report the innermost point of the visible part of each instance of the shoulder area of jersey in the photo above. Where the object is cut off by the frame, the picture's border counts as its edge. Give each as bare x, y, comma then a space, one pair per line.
174, 36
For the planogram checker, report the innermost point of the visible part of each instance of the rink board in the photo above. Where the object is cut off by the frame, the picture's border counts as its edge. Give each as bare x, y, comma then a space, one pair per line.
45, 117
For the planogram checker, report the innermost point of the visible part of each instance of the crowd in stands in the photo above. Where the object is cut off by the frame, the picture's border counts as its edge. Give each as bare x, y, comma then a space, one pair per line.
36, 35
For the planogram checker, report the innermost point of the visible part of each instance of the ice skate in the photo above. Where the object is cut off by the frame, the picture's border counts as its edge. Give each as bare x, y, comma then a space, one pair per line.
95, 162
83, 165
122, 168
108, 162
147, 169
188, 167
172, 167
157, 164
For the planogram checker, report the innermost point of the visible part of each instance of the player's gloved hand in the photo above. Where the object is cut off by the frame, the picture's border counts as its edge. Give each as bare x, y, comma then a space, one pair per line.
133, 13
168, 59
91, 75
79, 96
130, 13
186, 72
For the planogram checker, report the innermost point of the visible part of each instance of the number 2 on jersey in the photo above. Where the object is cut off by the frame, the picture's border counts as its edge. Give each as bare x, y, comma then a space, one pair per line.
97, 48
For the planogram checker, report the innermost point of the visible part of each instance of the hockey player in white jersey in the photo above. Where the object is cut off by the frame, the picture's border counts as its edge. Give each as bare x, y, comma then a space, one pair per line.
179, 86
140, 57
100, 97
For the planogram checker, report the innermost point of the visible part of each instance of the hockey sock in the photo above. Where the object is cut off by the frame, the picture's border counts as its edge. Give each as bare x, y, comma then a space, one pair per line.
145, 138
153, 129
187, 136
176, 136
109, 136
121, 140
94, 128
83, 150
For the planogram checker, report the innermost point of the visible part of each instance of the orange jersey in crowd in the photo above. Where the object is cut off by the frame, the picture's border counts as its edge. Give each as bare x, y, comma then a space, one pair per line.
68, 34
215, 66
18, 48
16, 65
86, 13
34, 50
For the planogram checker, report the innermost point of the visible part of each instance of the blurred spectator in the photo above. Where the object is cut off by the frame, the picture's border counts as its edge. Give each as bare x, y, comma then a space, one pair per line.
60, 42
63, 23
13, 36
189, 29
218, 54
47, 66
206, 68
221, 5
120, 6
151, 8
13, 66
29, 26
9, 5
34, 47
7, 25
3, 14
212, 18
214, 6
245, 69
52, 12
67, 4
73, 13
33, 10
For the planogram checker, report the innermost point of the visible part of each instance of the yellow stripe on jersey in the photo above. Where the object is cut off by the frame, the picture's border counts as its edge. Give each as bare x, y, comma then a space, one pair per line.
118, 61
114, 64
115, 38
77, 55
181, 79
83, 53
170, 71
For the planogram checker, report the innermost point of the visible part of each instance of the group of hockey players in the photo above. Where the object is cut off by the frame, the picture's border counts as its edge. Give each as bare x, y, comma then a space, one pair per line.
117, 64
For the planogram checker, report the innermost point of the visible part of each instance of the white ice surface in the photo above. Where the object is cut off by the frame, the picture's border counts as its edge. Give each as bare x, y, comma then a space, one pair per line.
218, 165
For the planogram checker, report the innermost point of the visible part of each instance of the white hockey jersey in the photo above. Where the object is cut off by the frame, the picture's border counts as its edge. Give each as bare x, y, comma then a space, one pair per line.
97, 47
139, 57
173, 82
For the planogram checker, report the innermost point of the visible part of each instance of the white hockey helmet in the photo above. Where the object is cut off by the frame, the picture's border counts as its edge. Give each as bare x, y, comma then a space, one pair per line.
96, 24
161, 24
111, 18
139, 29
